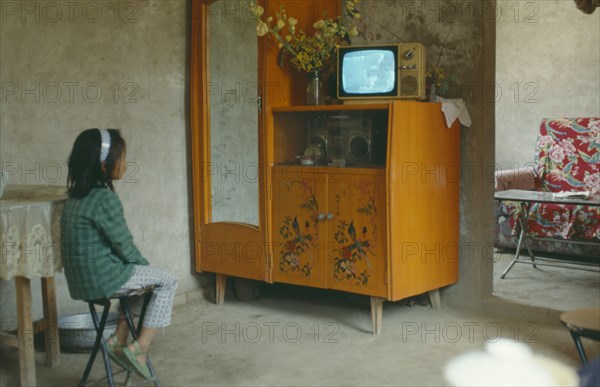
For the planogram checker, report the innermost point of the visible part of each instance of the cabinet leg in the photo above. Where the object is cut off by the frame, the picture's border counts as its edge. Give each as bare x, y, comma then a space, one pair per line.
434, 297
376, 314
220, 285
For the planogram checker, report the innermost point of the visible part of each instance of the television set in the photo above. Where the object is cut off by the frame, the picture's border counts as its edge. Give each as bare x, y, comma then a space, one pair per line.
381, 72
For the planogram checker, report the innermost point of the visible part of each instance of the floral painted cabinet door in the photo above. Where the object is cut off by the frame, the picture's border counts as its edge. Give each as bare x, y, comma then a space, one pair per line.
296, 238
357, 236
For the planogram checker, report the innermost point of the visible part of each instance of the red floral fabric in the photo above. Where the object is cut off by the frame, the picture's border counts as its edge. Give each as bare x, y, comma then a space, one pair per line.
567, 155
567, 159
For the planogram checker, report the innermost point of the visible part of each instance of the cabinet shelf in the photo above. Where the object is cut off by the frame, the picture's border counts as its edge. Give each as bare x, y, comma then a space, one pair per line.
350, 169
349, 134
329, 108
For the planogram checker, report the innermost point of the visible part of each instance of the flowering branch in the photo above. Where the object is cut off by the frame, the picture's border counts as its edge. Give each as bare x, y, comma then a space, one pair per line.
309, 53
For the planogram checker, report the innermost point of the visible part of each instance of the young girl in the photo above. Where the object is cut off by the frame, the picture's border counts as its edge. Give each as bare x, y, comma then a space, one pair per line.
99, 256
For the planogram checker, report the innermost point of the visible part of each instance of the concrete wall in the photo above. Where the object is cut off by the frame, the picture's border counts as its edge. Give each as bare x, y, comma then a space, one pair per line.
548, 66
68, 66
459, 36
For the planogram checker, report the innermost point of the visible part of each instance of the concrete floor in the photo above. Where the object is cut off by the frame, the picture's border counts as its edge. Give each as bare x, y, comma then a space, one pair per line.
294, 336
548, 287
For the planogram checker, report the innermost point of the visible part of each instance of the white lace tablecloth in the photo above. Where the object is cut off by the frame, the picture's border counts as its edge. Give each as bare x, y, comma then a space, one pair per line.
30, 231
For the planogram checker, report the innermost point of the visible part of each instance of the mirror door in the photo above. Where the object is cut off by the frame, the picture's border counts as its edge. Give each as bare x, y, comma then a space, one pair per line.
233, 119
228, 232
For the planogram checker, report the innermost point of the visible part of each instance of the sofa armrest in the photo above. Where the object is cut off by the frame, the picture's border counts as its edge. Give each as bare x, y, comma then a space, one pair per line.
521, 178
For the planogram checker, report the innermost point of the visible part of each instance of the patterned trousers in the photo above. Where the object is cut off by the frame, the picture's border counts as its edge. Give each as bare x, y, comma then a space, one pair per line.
159, 311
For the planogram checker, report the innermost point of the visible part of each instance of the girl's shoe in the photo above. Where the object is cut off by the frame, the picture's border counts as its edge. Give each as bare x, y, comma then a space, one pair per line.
115, 352
140, 369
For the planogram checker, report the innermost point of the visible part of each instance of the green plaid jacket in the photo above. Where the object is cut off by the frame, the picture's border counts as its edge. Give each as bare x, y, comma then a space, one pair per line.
97, 246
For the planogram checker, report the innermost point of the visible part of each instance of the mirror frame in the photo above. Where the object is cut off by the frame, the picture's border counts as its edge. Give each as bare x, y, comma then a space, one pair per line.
207, 234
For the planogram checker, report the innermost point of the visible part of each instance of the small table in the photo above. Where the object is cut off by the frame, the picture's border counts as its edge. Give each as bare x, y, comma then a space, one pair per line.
525, 198
582, 323
30, 235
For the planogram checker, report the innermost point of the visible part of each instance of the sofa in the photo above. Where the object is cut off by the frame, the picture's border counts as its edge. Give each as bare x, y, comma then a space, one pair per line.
566, 158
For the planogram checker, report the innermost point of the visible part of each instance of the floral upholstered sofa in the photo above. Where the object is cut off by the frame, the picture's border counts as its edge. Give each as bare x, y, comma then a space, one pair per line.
567, 158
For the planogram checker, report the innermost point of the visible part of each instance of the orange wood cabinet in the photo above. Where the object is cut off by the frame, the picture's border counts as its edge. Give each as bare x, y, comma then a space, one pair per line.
386, 227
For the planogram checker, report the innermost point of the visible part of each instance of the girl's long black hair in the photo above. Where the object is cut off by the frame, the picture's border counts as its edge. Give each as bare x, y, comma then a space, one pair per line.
85, 168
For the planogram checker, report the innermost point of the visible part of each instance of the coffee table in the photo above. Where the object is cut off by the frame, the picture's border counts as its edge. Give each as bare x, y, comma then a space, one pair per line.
525, 199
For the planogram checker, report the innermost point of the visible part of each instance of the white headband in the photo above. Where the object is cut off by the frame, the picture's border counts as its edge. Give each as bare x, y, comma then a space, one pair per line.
105, 135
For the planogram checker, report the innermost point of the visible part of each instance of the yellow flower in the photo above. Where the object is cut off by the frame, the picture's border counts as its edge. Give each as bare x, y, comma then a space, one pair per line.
350, 7
261, 28
280, 24
256, 10
353, 31
292, 22
319, 24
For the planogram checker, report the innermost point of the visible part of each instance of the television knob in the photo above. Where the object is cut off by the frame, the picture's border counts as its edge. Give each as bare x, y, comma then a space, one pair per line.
408, 54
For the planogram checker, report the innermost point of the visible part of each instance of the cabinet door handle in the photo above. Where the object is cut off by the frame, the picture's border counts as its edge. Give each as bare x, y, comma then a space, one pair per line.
321, 217
329, 216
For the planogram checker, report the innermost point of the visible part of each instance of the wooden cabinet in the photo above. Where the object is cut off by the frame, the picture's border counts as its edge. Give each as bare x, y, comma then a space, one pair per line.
327, 228
383, 225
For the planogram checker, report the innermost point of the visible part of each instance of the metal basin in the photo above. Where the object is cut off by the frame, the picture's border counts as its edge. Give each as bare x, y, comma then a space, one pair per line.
77, 334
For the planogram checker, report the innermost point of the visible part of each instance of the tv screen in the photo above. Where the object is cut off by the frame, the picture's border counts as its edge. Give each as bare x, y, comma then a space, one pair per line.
368, 71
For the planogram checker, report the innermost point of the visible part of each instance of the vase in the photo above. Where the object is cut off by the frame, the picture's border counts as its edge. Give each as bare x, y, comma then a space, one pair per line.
314, 89
432, 93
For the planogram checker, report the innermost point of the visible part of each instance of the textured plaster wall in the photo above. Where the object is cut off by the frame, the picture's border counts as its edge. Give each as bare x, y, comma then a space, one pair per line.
548, 65
68, 66
459, 36
449, 30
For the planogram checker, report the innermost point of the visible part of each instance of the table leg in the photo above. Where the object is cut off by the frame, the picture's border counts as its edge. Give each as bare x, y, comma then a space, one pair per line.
579, 346
531, 256
521, 236
524, 213
51, 317
25, 332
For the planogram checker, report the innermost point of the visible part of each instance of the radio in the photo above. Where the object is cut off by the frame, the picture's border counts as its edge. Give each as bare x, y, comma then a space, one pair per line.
344, 136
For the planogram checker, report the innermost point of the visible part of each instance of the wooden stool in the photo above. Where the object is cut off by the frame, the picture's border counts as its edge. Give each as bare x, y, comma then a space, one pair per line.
582, 323
99, 325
